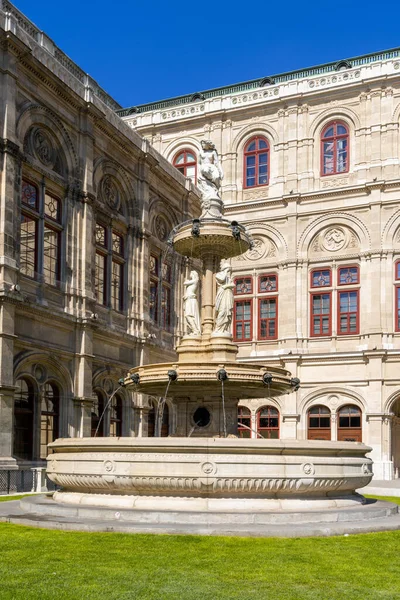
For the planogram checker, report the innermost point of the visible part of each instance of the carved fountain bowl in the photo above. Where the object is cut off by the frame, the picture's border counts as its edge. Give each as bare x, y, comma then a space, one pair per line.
208, 474
215, 238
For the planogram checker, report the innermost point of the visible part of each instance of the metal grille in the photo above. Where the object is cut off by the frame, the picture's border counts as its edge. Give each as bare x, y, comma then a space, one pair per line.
18, 481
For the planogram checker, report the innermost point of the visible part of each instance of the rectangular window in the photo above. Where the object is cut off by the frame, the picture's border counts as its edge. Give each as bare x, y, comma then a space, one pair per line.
117, 270
397, 270
166, 307
321, 278
28, 248
243, 285
397, 308
153, 300
321, 314
328, 150
267, 283
51, 255
242, 320
267, 319
100, 278
348, 312
348, 275
30, 195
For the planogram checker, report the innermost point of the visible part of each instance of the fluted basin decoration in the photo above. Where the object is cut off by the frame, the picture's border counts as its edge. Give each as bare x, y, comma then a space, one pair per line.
196, 474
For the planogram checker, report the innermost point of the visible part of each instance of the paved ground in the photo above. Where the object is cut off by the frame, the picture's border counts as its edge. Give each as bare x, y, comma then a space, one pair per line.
382, 488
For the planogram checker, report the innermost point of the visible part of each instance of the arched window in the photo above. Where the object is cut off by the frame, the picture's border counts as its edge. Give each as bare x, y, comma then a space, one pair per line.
319, 423
49, 417
165, 422
151, 421
244, 422
97, 412
256, 162
116, 416
152, 418
24, 408
268, 422
335, 149
185, 161
40, 233
349, 424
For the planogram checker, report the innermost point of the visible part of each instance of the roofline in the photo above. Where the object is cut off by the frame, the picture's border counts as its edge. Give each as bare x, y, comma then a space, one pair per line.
355, 61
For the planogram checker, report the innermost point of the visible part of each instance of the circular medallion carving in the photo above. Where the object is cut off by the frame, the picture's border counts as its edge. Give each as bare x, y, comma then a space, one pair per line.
308, 468
109, 466
208, 468
108, 386
39, 373
161, 228
43, 148
109, 192
258, 250
334, 239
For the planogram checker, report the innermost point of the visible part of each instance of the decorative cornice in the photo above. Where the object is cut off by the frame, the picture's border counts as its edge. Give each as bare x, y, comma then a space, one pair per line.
333, 68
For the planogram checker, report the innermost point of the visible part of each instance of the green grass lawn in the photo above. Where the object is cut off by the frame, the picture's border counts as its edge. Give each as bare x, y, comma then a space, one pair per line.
36, 564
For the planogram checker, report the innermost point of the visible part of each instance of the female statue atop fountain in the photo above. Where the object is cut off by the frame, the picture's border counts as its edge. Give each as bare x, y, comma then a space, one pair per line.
209, 180
191, 304
224, 300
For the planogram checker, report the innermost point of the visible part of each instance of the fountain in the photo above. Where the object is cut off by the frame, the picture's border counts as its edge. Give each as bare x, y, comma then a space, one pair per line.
204, 469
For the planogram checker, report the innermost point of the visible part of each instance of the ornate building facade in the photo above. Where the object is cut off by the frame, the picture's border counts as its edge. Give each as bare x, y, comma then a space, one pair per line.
86, 208
312, 168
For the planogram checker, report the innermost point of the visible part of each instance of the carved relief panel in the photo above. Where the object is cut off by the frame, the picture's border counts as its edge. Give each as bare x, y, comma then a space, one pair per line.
335, 239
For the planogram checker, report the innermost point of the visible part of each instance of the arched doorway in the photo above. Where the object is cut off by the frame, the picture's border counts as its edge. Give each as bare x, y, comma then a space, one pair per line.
319, 423
24, 412
349, 424
97, 412
151, 421
49, 417
395, 438
268, 422
116, 416
244, 422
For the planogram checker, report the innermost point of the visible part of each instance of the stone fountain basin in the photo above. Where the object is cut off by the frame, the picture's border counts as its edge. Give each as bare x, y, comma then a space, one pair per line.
215, 237
244, 380
208, 474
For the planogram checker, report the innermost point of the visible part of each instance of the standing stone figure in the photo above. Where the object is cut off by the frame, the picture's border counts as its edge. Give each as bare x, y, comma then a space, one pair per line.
224, 300
191, 304
209, 180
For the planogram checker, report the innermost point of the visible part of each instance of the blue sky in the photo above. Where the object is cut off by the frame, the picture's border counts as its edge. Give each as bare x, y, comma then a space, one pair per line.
140, 51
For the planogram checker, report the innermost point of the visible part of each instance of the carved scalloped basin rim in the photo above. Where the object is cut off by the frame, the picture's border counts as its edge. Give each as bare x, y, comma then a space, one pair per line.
244, 380
211, 467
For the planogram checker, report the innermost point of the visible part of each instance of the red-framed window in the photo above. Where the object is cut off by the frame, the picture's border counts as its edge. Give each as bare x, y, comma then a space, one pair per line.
321, 314
335, 148
185, 161
319, 423
267, 283
268, 318
348, 275
348, 312
244, 422
397, 302
243, 317
349, 424
243, 285
40, 233
397, 270
268, 422
256, 162
320, 278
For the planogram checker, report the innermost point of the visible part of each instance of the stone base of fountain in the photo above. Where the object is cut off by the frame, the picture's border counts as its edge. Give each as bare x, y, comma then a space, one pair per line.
216, 475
